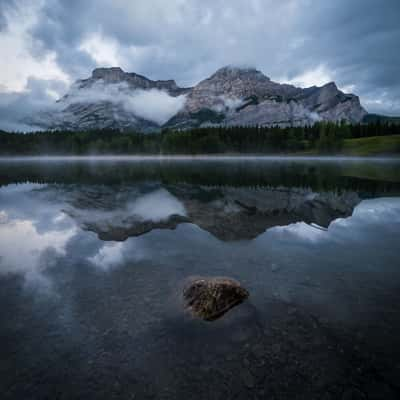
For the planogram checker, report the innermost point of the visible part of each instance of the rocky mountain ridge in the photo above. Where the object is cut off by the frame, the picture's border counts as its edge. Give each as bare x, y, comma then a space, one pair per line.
231, 96
115, 75
228, 213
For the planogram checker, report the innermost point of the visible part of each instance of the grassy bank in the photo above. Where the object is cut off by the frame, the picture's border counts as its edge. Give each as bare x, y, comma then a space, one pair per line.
372, 146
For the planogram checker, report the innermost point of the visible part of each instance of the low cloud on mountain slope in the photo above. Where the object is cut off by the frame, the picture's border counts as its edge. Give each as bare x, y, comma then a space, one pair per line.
153, 105
28, 111
16, 108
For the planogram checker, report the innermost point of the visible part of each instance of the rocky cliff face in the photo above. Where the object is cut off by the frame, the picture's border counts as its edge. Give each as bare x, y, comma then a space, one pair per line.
231, 96
116, 75
237, 96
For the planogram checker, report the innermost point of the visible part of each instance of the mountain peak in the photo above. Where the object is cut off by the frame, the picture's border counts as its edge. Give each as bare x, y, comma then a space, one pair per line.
109, 74
230, 71
330, 85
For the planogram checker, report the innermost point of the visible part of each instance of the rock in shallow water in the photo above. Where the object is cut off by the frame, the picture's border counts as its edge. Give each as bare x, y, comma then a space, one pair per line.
210, 298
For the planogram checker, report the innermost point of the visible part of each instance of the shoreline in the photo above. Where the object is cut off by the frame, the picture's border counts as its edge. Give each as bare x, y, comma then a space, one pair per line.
199, 157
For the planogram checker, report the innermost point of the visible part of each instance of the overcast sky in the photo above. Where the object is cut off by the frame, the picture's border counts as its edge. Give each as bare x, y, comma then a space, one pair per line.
47, 44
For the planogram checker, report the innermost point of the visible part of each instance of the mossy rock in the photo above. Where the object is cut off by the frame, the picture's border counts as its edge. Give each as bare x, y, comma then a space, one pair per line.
210, 298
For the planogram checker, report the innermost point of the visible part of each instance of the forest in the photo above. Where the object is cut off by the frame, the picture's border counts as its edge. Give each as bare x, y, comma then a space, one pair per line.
320, 138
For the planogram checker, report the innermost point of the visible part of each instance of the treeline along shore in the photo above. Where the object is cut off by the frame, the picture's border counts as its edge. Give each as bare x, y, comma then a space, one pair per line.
320, 138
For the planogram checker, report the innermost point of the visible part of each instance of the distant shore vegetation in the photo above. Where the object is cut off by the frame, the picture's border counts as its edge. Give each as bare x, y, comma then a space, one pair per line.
320, 138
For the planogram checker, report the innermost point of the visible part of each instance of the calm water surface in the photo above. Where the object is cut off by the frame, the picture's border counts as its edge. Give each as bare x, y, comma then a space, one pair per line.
94, 255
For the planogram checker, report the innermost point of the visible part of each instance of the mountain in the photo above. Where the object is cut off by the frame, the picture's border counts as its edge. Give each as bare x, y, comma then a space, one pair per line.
229, 213
112, 98
135, 81
245, 96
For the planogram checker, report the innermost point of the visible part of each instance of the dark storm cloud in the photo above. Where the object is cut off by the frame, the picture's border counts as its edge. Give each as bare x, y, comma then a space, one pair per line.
356, 42
359, 42
186, 40
16, 109
6, 6
3, 21
61, 26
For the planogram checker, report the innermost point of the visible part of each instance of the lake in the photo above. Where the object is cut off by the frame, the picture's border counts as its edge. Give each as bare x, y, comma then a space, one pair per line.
95, 253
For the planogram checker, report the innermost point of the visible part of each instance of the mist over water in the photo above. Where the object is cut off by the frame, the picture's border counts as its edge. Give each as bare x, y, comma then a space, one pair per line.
94, 254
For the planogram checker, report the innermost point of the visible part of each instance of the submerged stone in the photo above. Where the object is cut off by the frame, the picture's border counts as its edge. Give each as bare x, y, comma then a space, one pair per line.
210, 298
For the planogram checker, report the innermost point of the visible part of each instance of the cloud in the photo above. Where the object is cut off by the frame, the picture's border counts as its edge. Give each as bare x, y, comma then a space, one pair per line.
36, 251
229, 103
108, 256
18, 63
154, 206
357, 52
103, 50
3, 217
299, 230
318, 77
7, 7
368, 219
154, 105
17, 108
157, 206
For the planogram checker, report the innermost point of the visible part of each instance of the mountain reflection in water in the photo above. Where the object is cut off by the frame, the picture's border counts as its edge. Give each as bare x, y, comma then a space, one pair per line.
228, 213
94, 257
